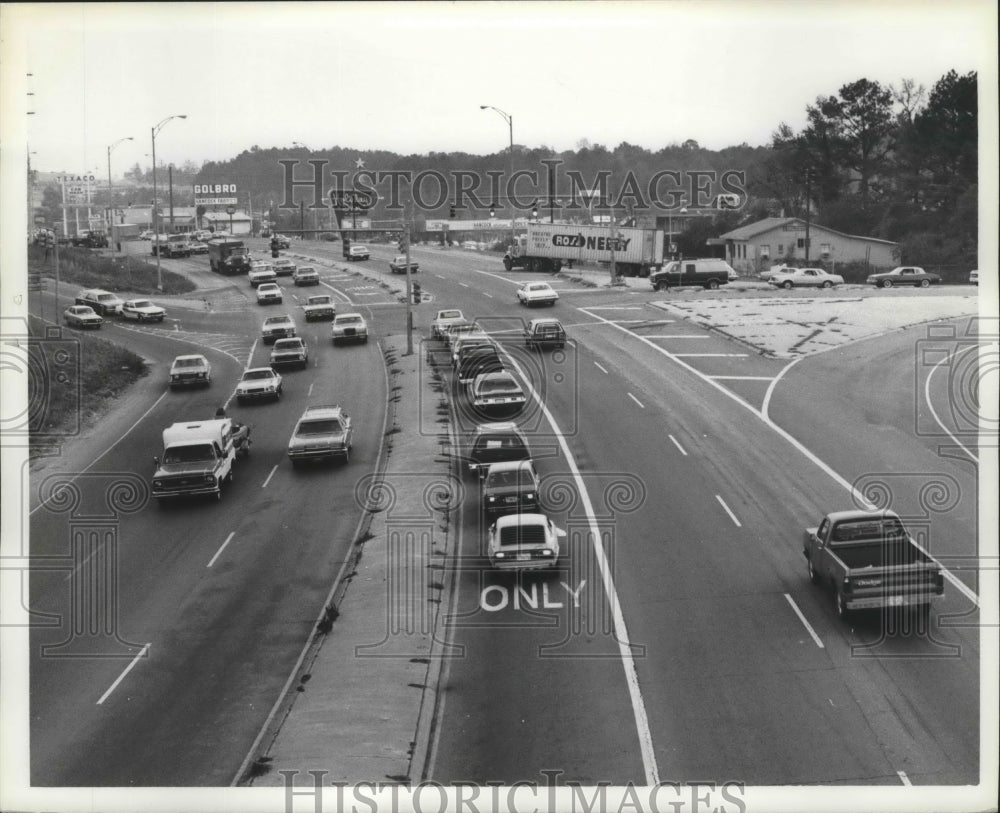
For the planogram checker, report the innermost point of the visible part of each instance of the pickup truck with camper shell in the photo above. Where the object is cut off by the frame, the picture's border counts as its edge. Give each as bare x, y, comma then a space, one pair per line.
198, 458
868, 560
707, 273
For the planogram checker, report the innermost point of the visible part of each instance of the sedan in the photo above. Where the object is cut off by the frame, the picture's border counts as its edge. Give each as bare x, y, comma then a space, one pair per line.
523, 542
284, 267
358, 253
260, 273
269, 293
277, 327
349, 327
306, 275
291, 352
82, 316
510, 487
398, 265
536, 293
142, 310
257, 383
803, 277
904, 275
190, 371
444, 320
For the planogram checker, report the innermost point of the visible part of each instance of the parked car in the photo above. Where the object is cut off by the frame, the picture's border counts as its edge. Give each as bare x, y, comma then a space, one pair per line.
444, 320
269, 293
146, 235
305, 275
544, 333
804, 277
82, 316
258, 383
496, 442
290, 352
974, 277
190, 371
103, 302
284, 267
349, 327
260, 273
510, 487
277, 327
320, 306
142, 310
398, 265
358, 253
523, 542
536, 293
904, 275
323, 432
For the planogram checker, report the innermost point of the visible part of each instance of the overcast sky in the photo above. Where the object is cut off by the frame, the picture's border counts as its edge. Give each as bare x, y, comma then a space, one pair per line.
411, 77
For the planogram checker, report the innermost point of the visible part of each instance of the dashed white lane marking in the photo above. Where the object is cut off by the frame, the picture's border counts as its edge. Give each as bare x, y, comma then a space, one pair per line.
711, 355
630, 395
805, 623
268, 480
599, 367
219, 551
904, 778
679, 447
121, 677
732, 516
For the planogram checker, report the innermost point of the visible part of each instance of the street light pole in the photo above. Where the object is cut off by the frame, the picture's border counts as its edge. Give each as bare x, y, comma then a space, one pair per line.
156, 220
510, 125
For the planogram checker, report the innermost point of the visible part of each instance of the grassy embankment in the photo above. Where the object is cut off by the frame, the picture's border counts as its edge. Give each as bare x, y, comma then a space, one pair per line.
73, 377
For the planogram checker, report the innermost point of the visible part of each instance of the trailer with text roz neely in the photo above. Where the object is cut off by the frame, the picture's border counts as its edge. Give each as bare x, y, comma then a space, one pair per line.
547, 247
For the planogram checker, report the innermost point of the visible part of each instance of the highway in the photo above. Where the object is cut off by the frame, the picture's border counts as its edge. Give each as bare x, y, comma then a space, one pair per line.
681, 639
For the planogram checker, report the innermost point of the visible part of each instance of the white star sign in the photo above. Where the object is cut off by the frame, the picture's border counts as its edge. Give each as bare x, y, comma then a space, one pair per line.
359, 163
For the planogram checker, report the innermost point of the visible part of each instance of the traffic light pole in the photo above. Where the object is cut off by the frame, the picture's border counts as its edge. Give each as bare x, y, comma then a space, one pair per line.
409, 289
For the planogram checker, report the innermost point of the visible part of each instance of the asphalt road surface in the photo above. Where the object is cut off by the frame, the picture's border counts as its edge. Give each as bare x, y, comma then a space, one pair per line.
679, 640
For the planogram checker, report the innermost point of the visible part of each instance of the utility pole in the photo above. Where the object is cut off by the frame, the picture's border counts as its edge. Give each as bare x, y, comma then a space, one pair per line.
808, 183
409, 289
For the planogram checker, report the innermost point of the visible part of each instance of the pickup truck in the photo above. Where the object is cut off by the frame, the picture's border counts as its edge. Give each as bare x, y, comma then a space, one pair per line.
869, 561
197, 458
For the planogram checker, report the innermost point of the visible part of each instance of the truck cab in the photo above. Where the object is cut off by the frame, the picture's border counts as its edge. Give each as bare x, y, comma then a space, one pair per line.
197, 458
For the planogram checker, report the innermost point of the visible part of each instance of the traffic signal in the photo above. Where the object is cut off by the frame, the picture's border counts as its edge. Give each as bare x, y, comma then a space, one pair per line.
416, 293
451, 211
493, 209
534, 212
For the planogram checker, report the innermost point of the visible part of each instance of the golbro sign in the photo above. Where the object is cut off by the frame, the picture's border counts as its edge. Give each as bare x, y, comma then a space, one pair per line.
215, 194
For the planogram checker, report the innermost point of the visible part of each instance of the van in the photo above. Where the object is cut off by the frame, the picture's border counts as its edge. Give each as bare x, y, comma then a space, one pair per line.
708, 273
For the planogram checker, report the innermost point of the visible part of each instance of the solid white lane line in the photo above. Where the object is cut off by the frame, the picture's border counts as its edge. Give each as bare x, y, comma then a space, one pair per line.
679, 447
463, 285
486, 294
711, 355
740, 377
630, 395
621, 630
121, 677
615, 308
112, 446
228, 540
856, 496
670, 336
770, 390
805, 623
904, 778
268, 480
439, 276
732, 516
927, 398
599, 367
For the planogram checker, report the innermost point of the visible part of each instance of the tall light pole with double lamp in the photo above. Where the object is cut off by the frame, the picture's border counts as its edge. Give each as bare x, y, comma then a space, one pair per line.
111, 203
510, 126
156, 220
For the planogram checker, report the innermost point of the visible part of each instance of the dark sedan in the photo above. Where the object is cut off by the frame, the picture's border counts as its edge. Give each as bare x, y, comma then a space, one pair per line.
904, 275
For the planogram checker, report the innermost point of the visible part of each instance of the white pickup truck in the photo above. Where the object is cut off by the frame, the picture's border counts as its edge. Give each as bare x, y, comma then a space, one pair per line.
198, 457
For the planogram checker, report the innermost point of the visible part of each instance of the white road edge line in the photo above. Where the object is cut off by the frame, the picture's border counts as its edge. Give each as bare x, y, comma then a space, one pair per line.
112, 446
679, 447
732, 516
630, 395
621, 631
121, 677
927, 399
805, 623
904, 778
219, 551
599, 367
268, 480
857, 497
487, 295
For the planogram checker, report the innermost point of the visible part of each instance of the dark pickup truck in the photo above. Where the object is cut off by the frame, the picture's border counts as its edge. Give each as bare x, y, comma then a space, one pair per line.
869, 561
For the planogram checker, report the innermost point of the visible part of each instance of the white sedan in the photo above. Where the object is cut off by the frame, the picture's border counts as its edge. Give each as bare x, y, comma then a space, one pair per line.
804, 277
268, 293
523, 542
536, 293
142, 310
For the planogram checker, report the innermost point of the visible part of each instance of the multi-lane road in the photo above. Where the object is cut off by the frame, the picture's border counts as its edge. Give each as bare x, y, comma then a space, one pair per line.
681, 640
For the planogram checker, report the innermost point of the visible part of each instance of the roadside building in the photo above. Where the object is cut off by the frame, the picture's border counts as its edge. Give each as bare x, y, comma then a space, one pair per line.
238, 224
755, 247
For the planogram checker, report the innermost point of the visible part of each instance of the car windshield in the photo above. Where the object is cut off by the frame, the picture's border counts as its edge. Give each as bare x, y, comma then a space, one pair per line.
288, 344
189, 363
450, 315
277, 320
320, 300
189, 454
348, 320
256, 375
105, 297
492, 385
504, 479
325, 426
307, 269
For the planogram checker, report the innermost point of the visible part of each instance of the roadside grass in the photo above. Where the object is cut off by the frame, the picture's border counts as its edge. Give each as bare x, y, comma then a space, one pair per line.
88, 268
72, 378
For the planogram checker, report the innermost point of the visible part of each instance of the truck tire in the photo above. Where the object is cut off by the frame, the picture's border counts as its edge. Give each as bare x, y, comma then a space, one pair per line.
813, 575
713, 285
